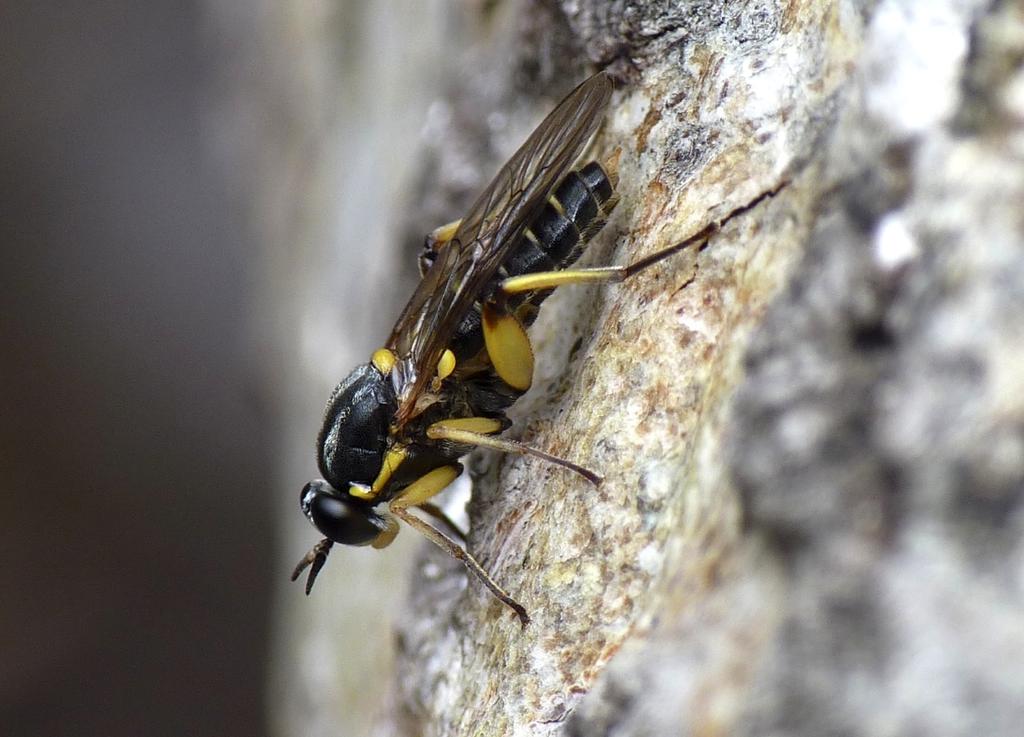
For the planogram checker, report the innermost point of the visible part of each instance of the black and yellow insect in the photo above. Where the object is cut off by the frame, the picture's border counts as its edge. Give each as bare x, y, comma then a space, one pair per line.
459, 355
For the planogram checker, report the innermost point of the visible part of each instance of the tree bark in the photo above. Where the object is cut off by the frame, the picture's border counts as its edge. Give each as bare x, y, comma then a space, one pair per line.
811, 429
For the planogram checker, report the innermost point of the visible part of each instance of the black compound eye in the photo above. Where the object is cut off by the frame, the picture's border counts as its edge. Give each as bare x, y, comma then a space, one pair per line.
342, 521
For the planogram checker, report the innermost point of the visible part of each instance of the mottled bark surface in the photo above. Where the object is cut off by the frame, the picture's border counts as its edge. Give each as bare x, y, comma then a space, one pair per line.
810, 429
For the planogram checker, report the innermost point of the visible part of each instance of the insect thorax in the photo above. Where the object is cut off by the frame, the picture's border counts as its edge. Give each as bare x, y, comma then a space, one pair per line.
354, 435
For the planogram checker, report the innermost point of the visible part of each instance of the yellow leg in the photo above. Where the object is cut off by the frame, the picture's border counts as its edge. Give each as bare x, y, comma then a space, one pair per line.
479, 425
425, 487
445, 367
451, 431
392, 460
418, 493
552, 279
387, 535
454, 550
508, 347
435, 241
438, 237
437, 513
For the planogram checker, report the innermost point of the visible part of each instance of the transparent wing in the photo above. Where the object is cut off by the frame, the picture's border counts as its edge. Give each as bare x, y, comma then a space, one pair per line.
467, 264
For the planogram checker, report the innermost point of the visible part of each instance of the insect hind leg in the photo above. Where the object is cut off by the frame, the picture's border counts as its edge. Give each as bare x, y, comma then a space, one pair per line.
612, 274
606, 274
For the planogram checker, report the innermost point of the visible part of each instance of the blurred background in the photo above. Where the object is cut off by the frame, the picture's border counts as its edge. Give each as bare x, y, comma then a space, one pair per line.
198, 199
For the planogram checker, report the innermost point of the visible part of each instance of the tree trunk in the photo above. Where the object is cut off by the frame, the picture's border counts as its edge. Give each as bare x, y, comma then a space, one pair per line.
811, 429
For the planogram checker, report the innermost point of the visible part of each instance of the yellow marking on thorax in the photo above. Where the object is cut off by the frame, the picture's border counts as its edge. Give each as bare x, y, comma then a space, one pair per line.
384, 360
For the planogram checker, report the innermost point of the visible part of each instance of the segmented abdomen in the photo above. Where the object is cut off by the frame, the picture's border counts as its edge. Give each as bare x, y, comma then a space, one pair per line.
577, 209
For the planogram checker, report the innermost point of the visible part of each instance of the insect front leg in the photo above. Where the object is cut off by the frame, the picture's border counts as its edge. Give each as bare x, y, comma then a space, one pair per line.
419, 492
437, 513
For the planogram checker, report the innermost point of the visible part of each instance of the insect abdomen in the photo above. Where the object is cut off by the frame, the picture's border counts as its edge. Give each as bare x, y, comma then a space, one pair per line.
575, 211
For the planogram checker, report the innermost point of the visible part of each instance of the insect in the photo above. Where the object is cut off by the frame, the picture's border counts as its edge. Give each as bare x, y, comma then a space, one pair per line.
459, 355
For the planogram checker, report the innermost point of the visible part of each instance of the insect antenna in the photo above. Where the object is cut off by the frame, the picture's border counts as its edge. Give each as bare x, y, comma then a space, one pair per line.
314, 560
